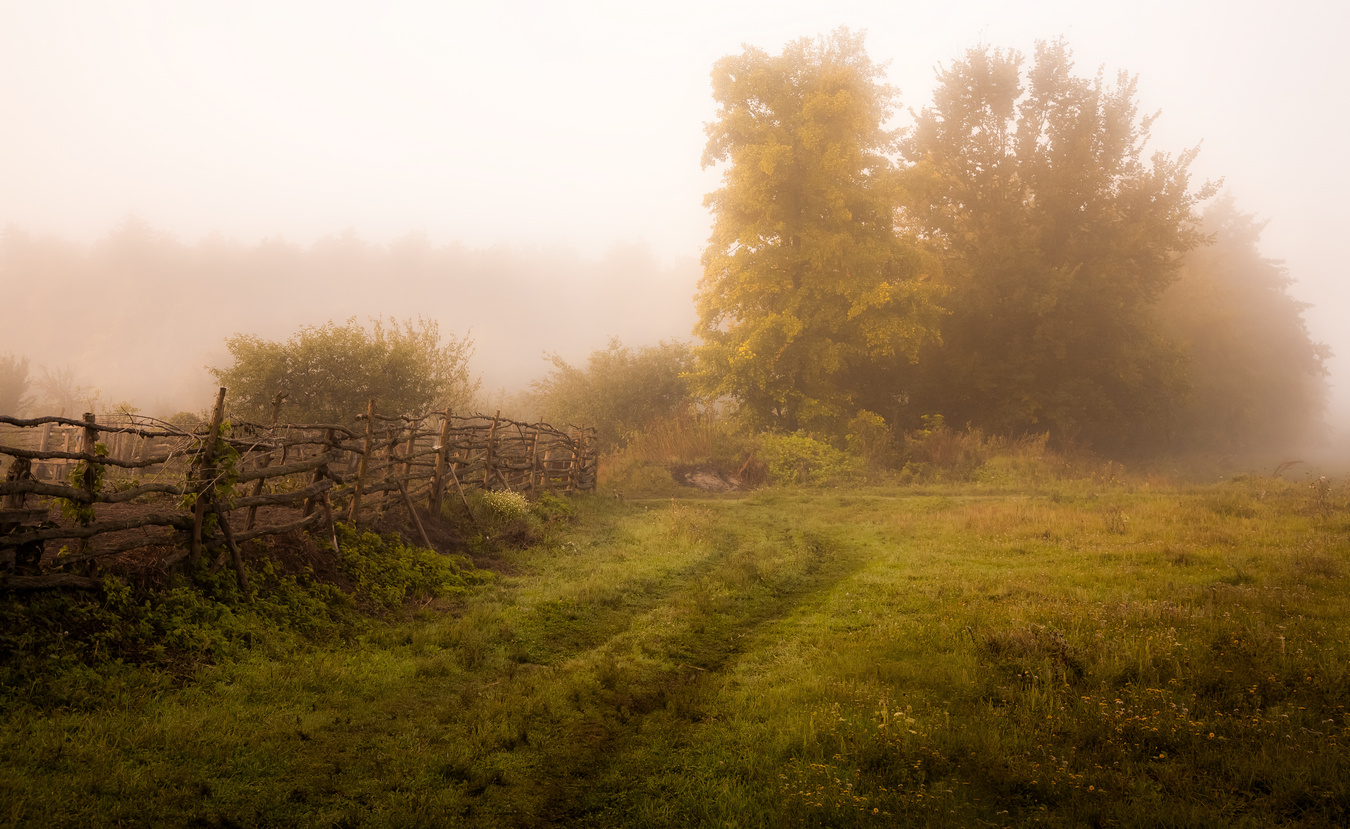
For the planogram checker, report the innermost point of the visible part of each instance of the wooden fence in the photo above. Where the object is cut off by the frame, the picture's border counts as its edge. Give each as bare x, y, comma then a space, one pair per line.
129, 482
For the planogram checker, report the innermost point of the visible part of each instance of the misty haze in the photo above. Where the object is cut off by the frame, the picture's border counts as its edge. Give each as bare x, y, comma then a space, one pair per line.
740, 414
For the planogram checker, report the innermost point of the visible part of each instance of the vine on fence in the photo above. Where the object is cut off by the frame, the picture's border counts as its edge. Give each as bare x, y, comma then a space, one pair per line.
89, 478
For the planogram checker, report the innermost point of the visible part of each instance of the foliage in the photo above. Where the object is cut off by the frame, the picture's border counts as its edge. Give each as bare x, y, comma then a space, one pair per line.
955, 455
801, 459
14, 385
501, 507
500, 519
806, 283
1257, 380
59, 649
869, 438
387, 571
79, 511
619, 392
1057, 239
329, 372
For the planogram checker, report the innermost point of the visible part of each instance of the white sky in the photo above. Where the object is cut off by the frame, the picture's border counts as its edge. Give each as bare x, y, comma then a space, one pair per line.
582, 123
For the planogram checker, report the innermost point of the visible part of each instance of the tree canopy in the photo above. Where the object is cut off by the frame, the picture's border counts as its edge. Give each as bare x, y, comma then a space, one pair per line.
1057, 239
329, 372
806, 281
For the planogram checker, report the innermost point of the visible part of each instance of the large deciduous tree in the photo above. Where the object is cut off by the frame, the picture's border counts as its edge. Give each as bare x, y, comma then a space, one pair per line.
806, 282
1057, 237
329, 372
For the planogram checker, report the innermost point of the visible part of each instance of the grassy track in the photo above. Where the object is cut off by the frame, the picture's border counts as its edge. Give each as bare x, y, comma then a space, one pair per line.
1130, 656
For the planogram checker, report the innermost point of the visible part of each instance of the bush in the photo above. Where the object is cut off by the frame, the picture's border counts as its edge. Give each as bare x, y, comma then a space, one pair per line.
799, 458
870, 439
328, 373
620, 392
387, 571
938, 451
503, 517
71, 648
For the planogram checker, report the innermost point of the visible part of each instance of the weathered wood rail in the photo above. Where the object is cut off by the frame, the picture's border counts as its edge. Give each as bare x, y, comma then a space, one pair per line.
131, 482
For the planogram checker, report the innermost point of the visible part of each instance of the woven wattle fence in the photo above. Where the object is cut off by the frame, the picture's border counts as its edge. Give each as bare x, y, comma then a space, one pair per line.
76, 491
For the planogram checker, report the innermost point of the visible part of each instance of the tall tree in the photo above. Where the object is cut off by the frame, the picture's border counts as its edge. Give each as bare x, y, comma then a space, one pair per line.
1057, 238
1258, 381
806, 282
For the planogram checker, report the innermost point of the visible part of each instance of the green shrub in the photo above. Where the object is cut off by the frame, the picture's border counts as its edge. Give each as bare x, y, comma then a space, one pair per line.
66, 649
870, 439
386, 571
938, 451
799, 458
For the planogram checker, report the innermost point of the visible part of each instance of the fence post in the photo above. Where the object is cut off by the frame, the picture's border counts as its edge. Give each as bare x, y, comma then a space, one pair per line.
534, 462
574, 473
90, 444
361, 467
266, 459
489, 454
437, 499
206, 483
390, 472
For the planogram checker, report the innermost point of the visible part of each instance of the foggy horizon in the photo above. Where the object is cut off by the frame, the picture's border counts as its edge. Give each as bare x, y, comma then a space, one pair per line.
560, 140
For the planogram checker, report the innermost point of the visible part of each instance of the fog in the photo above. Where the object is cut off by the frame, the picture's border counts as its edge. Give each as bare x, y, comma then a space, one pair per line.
537, 164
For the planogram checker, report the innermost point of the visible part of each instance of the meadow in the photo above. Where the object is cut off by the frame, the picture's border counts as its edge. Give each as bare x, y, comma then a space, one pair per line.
998, 653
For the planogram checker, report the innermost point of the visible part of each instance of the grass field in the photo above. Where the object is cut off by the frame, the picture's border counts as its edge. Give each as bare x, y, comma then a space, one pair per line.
1085, 654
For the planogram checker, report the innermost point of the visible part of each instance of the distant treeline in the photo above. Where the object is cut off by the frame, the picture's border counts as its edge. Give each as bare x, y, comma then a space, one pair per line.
138, 315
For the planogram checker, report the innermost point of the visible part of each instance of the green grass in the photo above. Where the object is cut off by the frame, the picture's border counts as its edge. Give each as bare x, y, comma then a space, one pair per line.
1087, 654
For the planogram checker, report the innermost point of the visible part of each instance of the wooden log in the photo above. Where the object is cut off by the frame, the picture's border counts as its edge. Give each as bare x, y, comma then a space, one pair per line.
266, 460
534, 463
36, 487
258, 532
462, 497
50, 581
81, 424
106, 460
206, 483
235, 555
288, 469
487, 456
309, 493
332, 526
321, 474
412, 510
361, 467
100, 528
387, 470
89, 481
